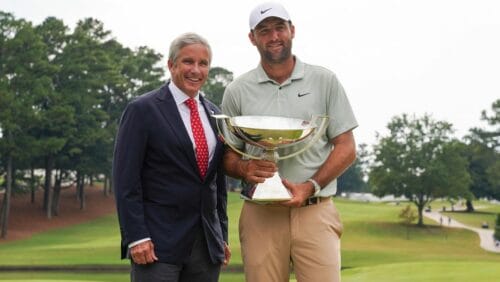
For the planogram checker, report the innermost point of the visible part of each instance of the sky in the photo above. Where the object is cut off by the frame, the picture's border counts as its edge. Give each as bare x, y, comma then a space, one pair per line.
436, 57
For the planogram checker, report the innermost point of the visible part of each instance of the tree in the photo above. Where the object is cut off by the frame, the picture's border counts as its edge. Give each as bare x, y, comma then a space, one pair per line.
419, 160
490, 137
493, 175
61, 97
353, 179
483, 155
86, 68
496, 235
21, 61
407, 216
481, 160
218, 79
139, 72
56, 117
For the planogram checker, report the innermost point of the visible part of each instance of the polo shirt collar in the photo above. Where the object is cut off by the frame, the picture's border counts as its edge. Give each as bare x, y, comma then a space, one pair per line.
297, 73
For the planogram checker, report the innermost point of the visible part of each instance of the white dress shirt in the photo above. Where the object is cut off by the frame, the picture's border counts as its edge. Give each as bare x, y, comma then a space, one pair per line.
180, 99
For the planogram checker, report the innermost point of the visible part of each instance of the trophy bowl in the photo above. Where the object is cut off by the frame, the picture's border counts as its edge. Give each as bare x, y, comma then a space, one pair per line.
270, 133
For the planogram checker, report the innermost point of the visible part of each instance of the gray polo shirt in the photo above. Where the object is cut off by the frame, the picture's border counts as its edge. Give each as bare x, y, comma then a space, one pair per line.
311, 90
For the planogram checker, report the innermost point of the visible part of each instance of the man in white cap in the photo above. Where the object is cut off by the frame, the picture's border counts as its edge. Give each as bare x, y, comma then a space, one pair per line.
305, 231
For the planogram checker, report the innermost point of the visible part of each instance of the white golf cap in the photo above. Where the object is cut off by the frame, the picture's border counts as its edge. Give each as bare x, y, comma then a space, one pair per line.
266, 10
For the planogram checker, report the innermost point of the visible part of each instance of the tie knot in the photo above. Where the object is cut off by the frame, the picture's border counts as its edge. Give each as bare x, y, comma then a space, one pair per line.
191, 103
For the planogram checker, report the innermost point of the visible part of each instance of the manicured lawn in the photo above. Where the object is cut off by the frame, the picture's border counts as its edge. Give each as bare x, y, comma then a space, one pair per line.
234, 208
484, 212
95, 242
89, 277
62, 277
432, 271
375, 247
373, 236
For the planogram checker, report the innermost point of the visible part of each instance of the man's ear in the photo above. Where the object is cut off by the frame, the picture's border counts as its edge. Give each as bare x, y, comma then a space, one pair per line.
251, 37
170, 64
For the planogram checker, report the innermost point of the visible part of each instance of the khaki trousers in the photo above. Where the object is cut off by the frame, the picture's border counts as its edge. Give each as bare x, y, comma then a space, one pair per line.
274, 238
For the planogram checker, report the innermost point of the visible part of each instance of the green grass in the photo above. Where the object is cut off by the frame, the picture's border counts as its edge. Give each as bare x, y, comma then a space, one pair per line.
62, 277
87, 277
432, 271
375, 247
233, 212
95, 242
484, 212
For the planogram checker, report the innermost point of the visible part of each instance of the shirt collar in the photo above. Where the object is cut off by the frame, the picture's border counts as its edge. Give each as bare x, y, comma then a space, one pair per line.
179, 96
297, 73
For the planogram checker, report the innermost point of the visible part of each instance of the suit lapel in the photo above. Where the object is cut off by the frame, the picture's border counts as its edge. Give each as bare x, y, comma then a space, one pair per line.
209, 111
169, 110
219, 145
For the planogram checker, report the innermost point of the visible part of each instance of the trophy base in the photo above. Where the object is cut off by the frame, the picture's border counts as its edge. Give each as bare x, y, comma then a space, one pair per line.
271, 190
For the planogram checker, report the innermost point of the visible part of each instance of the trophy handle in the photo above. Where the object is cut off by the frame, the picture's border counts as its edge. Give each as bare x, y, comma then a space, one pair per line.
224, 119
315, 138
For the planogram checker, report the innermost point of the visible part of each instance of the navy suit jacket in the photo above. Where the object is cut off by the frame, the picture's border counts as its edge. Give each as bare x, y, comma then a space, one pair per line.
159, 192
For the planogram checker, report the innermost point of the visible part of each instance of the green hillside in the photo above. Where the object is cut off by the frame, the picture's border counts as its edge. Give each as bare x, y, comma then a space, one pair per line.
374, 248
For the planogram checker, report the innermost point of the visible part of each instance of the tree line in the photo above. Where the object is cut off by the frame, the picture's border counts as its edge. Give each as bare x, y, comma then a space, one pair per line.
62, 93
61, 96
421, 160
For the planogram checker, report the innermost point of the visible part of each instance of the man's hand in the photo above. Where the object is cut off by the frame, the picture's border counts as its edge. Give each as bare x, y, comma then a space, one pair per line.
143, 253
227, 254
256, 171
300, 192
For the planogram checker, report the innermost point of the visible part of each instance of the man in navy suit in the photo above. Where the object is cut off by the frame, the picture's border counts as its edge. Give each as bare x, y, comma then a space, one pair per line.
172, 212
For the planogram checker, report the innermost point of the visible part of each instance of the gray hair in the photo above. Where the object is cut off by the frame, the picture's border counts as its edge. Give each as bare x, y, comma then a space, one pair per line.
184, 40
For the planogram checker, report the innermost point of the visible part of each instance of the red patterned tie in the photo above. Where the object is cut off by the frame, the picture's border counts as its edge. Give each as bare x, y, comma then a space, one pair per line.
199, 137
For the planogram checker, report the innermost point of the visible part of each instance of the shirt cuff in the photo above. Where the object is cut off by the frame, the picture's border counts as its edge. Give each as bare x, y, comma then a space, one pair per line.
135, 243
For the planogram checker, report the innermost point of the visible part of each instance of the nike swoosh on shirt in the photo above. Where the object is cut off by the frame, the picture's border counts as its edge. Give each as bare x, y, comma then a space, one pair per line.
303, 94
264, 11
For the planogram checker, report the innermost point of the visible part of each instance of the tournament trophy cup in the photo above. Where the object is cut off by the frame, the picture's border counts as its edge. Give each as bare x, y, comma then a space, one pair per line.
271, 134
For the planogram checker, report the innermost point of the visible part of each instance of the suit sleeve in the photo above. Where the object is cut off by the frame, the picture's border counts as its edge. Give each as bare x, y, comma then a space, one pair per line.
222, 202
127, 165
221, 190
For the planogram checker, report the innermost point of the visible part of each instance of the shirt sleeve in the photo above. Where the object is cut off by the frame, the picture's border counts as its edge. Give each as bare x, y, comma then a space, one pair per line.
342, 117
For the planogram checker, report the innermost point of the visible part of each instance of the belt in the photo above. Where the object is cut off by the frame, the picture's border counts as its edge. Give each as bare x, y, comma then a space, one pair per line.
308, 202
315, 201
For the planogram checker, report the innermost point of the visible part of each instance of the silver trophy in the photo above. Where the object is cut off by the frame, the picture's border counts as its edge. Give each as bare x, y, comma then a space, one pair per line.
271, 133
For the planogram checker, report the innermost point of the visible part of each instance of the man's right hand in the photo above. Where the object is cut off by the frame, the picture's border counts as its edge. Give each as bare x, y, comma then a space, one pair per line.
143, 253
256, 171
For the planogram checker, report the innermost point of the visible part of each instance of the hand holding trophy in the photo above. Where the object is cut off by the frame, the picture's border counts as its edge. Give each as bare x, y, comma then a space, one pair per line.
271, 133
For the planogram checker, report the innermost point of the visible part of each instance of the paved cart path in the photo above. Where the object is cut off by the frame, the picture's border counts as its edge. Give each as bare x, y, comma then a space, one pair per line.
485, 235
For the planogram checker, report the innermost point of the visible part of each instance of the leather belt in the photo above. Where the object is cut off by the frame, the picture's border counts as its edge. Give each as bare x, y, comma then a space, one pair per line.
315, 201
308, 202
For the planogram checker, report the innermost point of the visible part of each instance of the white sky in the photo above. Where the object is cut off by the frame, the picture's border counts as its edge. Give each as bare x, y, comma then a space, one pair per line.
440, 57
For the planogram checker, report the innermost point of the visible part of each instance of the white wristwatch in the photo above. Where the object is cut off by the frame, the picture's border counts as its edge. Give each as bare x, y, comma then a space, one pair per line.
317, 188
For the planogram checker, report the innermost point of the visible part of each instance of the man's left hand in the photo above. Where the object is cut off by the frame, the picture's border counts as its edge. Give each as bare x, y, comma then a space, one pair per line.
227, 254
300, 192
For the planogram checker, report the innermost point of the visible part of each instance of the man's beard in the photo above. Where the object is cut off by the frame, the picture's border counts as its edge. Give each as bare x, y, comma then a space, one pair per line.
274, 58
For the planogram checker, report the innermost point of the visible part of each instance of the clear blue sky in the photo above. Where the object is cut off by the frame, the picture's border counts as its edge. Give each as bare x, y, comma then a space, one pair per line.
439, 57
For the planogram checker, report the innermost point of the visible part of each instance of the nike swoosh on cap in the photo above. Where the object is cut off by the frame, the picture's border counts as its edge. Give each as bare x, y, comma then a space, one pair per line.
264, 11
